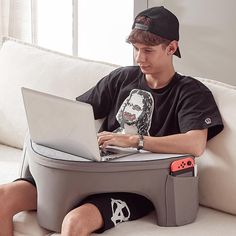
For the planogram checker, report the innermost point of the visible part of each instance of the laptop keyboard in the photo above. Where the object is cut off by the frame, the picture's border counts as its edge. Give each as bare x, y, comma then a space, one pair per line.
106, 153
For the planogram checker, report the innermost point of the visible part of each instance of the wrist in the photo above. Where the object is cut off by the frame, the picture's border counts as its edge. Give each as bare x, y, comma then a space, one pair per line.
134, 141
137, 141
140, 142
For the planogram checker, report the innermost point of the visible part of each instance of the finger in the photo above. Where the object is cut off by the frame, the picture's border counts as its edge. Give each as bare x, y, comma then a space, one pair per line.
107, 143
103, 133
104, 138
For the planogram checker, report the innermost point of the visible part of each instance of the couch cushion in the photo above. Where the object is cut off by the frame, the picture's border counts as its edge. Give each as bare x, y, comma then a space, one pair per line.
217, 165
25, 223
208, 222
10, 161
30, 66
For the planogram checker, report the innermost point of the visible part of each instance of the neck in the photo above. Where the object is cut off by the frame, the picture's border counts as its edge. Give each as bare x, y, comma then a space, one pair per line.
160, 79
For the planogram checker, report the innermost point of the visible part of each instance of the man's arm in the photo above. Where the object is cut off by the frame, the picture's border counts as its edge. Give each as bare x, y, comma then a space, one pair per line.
192, 142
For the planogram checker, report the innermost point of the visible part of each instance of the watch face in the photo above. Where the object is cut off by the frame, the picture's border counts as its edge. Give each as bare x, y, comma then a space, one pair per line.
140, 142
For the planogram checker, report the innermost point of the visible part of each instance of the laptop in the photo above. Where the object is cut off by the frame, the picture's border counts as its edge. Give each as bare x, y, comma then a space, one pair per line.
66, 125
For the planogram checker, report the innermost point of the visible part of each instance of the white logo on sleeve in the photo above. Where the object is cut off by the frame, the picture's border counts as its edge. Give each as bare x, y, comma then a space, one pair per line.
208, 121
120, 211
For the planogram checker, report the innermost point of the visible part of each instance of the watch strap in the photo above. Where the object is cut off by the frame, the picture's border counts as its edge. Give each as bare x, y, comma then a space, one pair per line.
140, 142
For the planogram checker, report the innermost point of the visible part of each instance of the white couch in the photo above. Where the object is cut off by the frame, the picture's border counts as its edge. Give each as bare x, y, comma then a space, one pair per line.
26, 65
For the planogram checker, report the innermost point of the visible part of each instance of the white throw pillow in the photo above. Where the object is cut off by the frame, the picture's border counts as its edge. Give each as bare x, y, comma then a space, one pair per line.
25, 65
217, 165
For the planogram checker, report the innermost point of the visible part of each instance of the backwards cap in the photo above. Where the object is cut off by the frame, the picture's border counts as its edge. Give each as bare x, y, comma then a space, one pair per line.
163, 23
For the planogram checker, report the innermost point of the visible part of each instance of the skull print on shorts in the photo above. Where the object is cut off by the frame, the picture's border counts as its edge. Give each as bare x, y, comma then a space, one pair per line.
120, 211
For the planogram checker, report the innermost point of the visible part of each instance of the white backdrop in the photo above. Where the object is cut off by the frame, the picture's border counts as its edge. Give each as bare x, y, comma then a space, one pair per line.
207, 33
207, 37
15, 19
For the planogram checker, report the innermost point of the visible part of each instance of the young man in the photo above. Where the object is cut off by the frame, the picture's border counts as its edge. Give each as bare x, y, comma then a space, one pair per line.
148, 106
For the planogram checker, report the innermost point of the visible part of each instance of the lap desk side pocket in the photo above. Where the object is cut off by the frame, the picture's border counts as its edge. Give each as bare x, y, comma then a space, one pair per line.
63, 180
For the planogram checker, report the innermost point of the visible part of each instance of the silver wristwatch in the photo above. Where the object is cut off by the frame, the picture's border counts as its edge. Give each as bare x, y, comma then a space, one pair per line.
140, 142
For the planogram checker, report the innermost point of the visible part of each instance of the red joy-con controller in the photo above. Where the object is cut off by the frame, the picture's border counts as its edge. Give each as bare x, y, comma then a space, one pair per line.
182, 165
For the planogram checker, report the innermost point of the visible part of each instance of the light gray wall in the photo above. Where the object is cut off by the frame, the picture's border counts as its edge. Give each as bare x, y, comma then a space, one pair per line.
207, 37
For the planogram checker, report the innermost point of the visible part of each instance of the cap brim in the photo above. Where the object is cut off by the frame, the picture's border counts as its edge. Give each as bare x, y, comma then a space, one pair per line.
177, 53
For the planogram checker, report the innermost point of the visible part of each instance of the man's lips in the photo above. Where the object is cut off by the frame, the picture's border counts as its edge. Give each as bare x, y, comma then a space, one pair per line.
144, 67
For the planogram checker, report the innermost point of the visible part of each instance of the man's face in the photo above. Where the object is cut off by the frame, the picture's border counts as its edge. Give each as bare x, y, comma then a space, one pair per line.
151, 59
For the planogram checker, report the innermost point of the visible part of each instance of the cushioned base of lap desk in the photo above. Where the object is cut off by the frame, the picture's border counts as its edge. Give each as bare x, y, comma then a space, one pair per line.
63, 180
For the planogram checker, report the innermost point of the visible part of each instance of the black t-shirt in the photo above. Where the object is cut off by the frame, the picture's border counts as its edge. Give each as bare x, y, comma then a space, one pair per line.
129, 105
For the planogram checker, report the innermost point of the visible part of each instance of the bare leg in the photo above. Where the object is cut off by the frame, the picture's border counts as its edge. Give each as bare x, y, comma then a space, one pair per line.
82, 221
15, 197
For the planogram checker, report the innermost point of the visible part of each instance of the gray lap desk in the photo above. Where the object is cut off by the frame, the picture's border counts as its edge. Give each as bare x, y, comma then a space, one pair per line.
63, 180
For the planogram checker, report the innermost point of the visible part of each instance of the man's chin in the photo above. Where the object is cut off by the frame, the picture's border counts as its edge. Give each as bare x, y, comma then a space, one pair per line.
145, 70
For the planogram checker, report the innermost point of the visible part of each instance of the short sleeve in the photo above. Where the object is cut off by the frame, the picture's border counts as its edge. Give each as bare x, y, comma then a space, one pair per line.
198, 110
101, 96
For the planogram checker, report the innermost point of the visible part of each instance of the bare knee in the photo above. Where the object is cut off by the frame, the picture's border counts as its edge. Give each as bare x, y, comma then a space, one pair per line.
16, 197
73, 224
82, 221
5, 202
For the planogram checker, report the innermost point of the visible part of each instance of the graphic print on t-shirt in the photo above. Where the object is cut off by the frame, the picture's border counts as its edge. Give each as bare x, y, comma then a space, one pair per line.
135, 113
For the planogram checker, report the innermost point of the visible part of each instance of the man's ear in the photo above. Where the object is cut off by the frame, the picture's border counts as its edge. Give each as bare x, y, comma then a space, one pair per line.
172, 47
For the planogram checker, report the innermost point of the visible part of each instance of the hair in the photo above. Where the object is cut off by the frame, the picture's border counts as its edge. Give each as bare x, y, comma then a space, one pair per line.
145, 37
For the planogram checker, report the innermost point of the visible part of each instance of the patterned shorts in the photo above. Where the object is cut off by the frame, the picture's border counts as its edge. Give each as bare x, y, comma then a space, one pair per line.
116, 208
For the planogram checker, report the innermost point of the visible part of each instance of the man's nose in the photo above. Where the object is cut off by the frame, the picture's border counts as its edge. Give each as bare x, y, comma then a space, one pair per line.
139, 57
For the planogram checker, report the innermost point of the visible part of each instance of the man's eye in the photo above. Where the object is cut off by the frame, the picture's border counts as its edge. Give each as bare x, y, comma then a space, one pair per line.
148, 51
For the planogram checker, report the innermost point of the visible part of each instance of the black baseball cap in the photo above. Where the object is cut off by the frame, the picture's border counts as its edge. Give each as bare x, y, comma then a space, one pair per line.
162, 23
